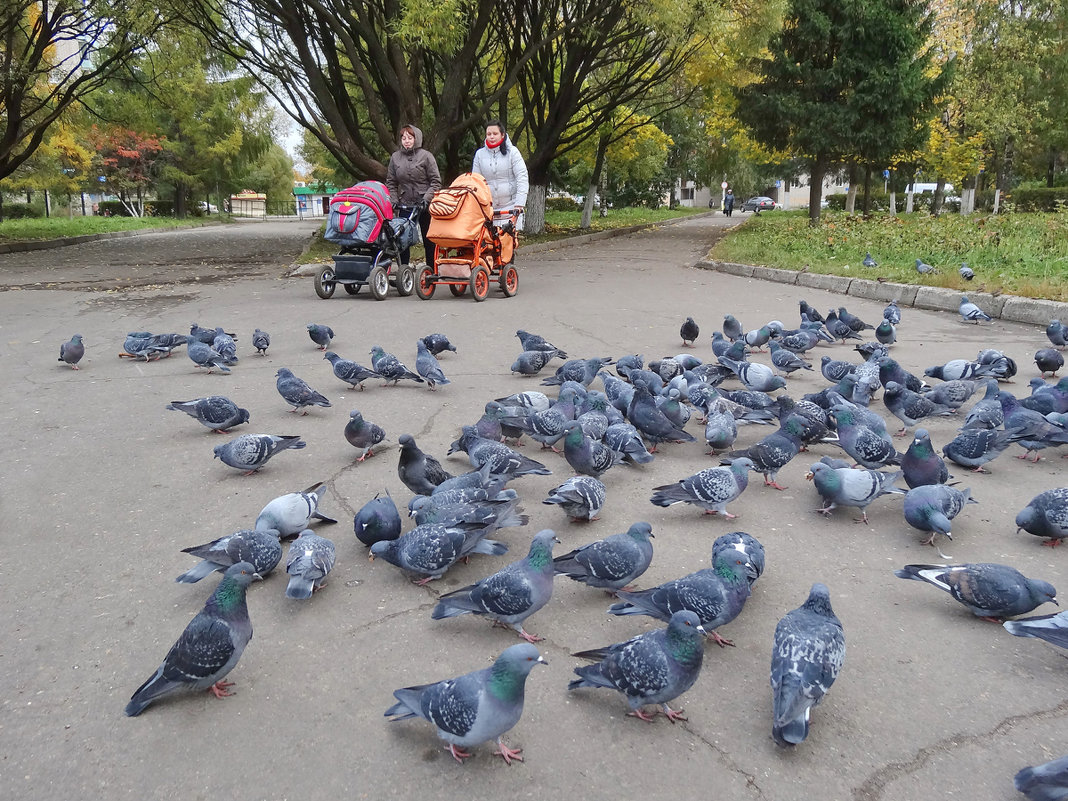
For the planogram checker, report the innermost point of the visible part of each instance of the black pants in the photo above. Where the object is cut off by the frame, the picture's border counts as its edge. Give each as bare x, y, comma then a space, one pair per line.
424, 226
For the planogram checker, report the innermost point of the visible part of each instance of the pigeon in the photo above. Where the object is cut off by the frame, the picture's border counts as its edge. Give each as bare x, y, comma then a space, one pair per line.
920, 465
810, 313
966, 272
1051, 628
892, 313
624, 438
885, 333
746, 544
206, 356
840, 329
582, 371
715, 595
352, 373
866, 445
721, 429
974, 447
995, 363
711, 489
580, 498
806, 659
853, 321
431, 549
225, 345
418, 471
363, 435
757, 338
1048, 360
689, 332
970, 313
206, 335
390, 367
510, 595
531, 362
320, 335
773, 452
612, 563
454, 510
930, 508
296, 391
869, 262
1048, 782
586, 456
909, 407
834, 370
851, 487
377, 521
732, 329
310, 559
427, 366
1048, 398
755, 376
990, 591
1057, 334
438, 344
497, 457
208, 649
923, 268
786, 360
652, 668
260, 548
986, 413
293, 512
1029, 428
1046, 516
261, 340
537, 342
72, 352
953, 394
216, 412
476, 707
250, 452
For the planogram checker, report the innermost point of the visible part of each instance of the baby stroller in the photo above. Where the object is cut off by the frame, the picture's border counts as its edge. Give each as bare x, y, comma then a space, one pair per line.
473, 243
361, 221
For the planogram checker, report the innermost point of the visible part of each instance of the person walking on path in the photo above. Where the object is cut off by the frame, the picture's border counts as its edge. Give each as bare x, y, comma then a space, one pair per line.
728, 202
412, 178
500, 163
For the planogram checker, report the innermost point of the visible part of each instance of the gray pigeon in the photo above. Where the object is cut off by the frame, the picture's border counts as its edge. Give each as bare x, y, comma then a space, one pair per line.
645, 416
652, 668
72, 352
1048, 782
260, 548
624, 437
732, 329
225, 345
755, 376
966, 272
953, 394
216, 412
510, 595
296, 392
476, 707
418, 471
920, 464
970, 313
431, 549
856, 487
352, 373
377, 521
537, 342
930, 508
320, 335
611, 563
853, 321
206, 356
721, 428
787, 361
990, 591
1051, 628
531, 362
580, 498
438, 343
774, 451
974, 447
428, 367
869, 261
806, 658
363, 434
498, 457
923, 268
747, 545
1057, 334
715, 595
587, 456
1046, 516
582, 371
308, 562
208, 649
689, 332
910, 407
293, 512
250, 452
986, 413
261, 340
1048, 360
892, 313
205, 335
460, 509
834, 370
866, 445
390, 367
711, 489
885, 333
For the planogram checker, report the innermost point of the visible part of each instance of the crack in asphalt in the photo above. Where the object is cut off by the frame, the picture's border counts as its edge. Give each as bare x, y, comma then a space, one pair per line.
876, 784
750, 779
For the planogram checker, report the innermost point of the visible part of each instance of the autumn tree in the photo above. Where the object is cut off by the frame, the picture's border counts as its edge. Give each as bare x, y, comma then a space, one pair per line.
130, 163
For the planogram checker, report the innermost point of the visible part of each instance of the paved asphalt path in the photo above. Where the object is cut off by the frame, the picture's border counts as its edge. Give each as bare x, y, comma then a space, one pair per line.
103, 487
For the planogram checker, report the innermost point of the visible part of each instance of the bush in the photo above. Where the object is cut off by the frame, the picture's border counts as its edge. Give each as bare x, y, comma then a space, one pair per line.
1036, 199
112, 208
21, 211
560, 204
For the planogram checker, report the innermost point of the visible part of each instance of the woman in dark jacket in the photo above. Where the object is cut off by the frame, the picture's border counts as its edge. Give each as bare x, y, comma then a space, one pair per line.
412, 178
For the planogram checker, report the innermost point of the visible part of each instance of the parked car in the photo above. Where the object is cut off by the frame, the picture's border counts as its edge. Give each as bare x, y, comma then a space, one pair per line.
207, 208
760, 203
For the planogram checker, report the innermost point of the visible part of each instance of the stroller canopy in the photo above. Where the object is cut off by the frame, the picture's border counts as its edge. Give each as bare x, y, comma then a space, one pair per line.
460, 212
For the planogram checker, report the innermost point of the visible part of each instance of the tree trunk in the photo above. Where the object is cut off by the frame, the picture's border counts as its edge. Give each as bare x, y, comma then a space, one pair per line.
867, 190
534, 213
180, 210
815, 192
939, 193
851, 194
893, 203
1051, 167
595, 180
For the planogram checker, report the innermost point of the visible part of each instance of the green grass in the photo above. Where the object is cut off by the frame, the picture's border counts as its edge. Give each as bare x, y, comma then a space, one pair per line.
36, 228
1019, 254
558, 225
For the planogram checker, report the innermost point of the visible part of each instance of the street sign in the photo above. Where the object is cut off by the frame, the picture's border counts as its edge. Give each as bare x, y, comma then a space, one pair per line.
886, 173
778, 184
723, 185
101, 179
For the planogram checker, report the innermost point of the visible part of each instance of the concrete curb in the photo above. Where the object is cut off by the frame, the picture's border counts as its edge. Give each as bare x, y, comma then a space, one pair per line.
1001, 307
48, 244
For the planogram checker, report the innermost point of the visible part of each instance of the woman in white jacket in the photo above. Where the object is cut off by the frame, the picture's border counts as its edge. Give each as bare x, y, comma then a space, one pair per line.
500, 163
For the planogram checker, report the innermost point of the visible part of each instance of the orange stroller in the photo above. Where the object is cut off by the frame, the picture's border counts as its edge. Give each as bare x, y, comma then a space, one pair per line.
473, 243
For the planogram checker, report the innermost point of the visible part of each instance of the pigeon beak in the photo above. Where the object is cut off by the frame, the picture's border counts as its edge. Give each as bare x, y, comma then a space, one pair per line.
544, 661
949, 535
701, 629
810, 475
257, 577
1053, 600
556, 540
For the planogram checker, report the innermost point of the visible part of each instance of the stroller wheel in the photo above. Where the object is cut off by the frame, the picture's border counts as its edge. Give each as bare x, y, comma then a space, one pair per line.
352, 289
509, 281
425, 284
325, 283
480, 283
458, 289
378, 280
406, 282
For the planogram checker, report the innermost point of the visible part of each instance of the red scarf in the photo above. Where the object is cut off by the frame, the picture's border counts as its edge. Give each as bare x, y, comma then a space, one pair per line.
496, 145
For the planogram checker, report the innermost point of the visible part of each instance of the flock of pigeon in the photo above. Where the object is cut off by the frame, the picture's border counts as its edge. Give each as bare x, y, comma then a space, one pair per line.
640, 408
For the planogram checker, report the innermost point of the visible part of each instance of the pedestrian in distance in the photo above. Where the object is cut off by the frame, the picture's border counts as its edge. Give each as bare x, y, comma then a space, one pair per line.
412, 178
728, 202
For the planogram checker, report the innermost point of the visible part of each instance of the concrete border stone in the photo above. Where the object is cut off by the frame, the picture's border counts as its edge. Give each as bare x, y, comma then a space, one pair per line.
831, 283
904, 294
1033, 310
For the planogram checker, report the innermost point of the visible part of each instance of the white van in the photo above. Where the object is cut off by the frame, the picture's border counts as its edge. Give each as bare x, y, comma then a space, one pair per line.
921, 189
